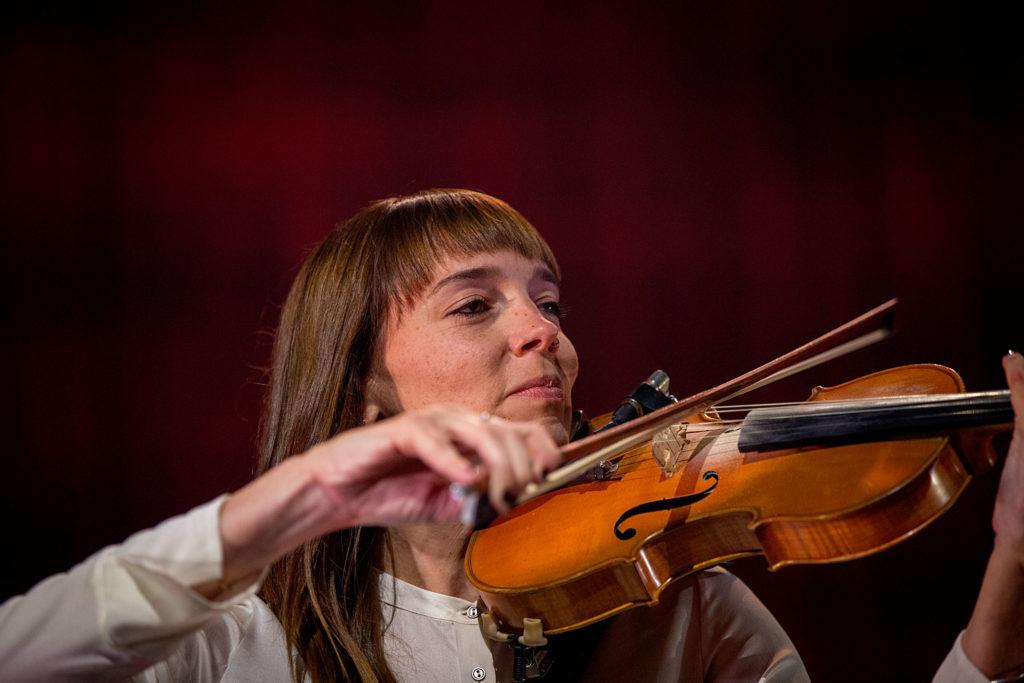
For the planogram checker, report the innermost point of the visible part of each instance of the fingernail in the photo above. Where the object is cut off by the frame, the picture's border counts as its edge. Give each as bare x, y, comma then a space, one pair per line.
1011, 352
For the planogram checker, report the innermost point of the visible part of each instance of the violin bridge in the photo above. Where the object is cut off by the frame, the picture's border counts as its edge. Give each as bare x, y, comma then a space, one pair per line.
677, 444
671, 447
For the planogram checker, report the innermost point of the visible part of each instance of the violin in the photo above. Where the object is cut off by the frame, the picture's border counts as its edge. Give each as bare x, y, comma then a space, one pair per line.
853, 470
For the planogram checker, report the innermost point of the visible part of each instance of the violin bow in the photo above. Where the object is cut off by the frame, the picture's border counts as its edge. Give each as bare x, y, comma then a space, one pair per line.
583, 455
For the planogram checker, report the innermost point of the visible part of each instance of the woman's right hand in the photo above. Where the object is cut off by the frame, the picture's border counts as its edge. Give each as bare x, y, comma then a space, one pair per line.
394, 472
398, 471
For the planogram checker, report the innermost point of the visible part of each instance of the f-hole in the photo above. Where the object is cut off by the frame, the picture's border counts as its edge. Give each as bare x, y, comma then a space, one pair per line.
662, 505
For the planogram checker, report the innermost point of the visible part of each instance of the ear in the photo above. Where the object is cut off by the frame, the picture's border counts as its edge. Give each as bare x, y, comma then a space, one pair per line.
372, 412
380, 398
380, 402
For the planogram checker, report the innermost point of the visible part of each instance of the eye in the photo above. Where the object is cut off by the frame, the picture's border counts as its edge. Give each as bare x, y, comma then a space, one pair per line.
472, 308
552, 309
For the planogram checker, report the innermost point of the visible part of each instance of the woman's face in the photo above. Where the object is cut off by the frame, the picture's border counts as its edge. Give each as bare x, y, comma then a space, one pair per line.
486, 334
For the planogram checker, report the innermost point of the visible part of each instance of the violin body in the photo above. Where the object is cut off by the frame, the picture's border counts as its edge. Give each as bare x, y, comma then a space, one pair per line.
569, 558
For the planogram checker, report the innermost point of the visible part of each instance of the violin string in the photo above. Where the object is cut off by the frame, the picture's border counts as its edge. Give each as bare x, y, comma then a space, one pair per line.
728, 438
753, 406
697, 432
816, 405
852, 406
717, 447
747, 407
927, 399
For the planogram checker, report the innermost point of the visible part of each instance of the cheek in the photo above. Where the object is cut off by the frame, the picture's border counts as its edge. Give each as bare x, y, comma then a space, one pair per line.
568, 360
440, 369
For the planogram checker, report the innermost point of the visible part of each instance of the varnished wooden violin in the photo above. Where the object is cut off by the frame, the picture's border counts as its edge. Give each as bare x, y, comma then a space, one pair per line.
853, 470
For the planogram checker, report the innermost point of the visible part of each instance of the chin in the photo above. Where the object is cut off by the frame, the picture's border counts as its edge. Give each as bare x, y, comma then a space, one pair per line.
556, 419
557, 428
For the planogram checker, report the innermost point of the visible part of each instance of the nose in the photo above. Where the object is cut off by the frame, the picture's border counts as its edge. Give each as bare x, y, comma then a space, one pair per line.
532, 331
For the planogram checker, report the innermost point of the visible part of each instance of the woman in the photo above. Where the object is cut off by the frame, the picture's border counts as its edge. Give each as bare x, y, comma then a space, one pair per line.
420, 346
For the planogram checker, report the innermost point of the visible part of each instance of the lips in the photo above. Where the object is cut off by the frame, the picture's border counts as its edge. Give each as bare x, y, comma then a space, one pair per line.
547, 388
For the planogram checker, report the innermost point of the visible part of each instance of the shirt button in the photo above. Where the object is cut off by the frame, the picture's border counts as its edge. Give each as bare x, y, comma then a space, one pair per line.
472, 612
478, 674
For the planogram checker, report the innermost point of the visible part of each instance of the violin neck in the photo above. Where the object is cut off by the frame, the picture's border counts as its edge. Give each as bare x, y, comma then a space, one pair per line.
836, 423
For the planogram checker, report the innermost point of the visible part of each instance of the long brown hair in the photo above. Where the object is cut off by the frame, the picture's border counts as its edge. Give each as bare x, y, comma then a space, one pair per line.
325, 592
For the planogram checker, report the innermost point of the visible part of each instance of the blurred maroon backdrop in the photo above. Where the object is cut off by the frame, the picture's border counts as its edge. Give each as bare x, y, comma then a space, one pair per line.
720, 185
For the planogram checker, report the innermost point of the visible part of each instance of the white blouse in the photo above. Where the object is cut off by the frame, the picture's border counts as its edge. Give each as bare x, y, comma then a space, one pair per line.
128, 612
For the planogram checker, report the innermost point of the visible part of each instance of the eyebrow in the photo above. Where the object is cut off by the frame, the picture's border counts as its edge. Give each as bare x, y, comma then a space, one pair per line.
540, 272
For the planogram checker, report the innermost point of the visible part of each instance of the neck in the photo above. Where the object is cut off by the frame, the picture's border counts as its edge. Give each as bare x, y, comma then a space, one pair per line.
431, 556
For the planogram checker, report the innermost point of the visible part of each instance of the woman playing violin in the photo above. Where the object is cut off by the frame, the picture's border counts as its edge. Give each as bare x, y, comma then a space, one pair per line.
421, 345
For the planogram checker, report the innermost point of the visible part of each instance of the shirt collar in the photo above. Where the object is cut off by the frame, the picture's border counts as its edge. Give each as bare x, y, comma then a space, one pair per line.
405, 596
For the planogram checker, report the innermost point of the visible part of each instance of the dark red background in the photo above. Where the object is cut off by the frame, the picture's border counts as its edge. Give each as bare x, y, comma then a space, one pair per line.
719, 184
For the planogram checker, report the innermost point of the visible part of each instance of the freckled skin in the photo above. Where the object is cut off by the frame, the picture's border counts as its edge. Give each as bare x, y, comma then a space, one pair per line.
474, 340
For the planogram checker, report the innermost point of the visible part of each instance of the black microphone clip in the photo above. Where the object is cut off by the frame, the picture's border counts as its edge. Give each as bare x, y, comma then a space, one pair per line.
647, 397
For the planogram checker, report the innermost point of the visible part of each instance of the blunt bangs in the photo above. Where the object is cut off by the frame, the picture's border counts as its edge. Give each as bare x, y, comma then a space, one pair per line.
416, 233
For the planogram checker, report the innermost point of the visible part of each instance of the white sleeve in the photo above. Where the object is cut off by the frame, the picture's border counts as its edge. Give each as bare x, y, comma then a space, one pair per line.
957, 668
123, 609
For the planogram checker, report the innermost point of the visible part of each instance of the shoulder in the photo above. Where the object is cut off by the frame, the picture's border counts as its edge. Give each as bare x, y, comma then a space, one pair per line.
740, 638
721, 594
243, 642
708, 626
